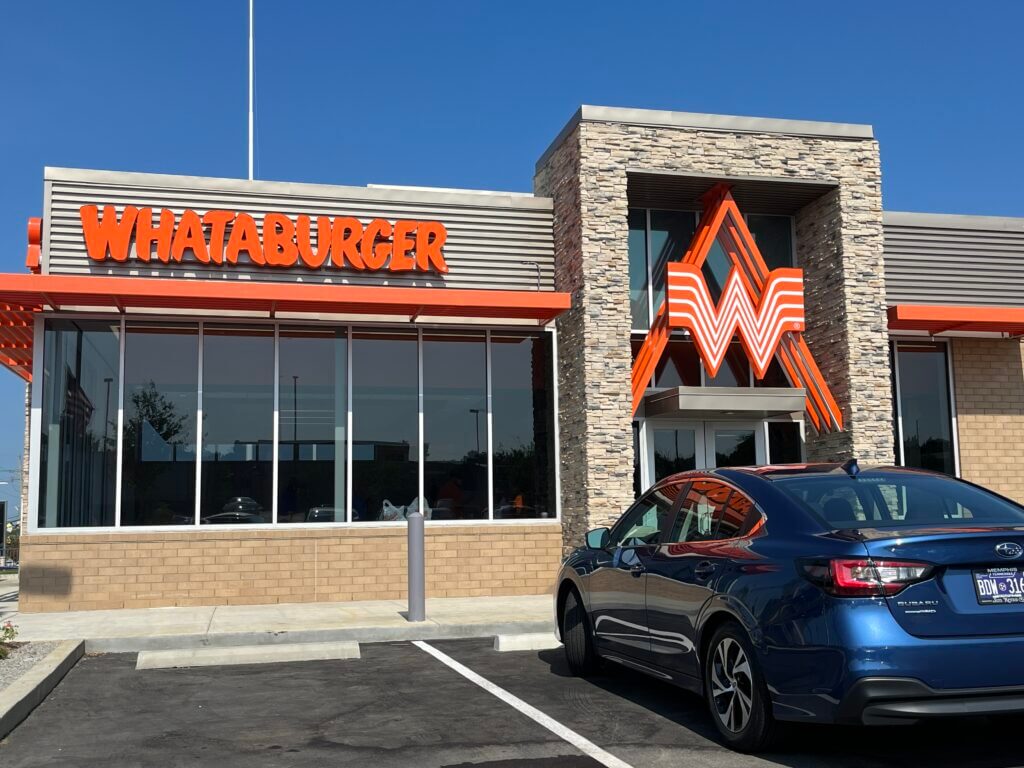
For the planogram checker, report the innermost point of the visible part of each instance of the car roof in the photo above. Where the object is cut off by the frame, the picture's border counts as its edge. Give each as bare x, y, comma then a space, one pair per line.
780, 471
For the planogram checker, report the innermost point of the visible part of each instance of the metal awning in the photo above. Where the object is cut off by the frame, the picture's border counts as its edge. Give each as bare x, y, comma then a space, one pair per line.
22, 295
942, 318
724, 402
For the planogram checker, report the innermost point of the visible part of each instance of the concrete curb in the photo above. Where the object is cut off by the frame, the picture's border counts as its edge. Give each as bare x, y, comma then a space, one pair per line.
427, 630
27, 692
247, 654
540, 641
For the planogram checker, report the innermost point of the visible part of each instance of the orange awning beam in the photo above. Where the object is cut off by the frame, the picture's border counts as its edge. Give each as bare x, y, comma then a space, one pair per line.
21, 295
935, 319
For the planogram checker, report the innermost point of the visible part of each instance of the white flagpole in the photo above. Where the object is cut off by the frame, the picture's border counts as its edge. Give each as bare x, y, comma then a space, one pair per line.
250, 90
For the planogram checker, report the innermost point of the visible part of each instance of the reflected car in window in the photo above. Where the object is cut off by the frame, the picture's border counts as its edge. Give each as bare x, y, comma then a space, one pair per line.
820, 593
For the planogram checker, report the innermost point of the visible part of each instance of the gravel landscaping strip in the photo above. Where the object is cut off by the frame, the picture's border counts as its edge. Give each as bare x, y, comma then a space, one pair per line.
22, 659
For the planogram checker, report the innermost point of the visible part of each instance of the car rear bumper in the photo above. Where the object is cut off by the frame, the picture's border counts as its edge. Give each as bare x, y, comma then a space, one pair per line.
893, 701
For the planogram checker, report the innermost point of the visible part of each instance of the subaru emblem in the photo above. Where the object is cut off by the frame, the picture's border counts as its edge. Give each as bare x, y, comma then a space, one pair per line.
1009, 549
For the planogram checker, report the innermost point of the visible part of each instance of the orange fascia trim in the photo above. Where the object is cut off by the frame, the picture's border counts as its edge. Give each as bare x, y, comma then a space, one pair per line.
21, 295
936, 318
36, 291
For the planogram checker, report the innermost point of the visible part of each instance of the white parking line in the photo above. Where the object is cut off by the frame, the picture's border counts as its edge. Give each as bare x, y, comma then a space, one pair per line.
584, 745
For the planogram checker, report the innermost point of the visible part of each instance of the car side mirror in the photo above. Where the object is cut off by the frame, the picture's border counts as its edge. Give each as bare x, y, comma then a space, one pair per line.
598, 538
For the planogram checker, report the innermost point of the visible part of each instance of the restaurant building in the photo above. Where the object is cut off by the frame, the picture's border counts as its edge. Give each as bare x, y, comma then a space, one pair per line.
239, 389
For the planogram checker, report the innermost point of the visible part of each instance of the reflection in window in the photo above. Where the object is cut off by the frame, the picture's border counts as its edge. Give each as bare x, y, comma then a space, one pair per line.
671, 233
455, 424
716, 270
775, 376
784, 443
734, 370
773, 236
238, 425
523, 418
161, 376
735, 448
385, 425
638, 299
924, 406
679, 365
78, 456
312, 413
674, 451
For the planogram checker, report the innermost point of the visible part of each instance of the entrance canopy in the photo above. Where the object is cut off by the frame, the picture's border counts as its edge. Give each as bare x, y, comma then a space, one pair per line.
22, 295
939, 318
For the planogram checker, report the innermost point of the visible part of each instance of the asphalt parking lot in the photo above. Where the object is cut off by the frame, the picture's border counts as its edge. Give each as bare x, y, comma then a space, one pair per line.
401, 706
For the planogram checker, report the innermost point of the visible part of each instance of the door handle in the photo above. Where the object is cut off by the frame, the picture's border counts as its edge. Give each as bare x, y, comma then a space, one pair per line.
704, 570
637, 570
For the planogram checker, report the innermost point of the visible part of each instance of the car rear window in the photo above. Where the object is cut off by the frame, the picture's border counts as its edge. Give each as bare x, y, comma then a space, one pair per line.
894, 499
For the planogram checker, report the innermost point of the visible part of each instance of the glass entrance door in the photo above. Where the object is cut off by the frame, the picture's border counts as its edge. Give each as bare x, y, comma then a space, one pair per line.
734, 445
674, 447
678, 446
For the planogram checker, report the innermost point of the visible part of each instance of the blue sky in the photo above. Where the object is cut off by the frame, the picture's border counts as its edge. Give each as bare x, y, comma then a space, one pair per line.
470, 94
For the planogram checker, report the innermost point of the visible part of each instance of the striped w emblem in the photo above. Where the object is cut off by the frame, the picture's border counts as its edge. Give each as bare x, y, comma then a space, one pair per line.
759, 324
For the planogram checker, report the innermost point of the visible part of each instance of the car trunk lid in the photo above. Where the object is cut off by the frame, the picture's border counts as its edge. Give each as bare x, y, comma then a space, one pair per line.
950, 603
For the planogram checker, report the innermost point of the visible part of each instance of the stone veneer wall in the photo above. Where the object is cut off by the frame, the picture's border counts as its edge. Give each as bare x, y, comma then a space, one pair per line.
988, 388
839, 245
61, 572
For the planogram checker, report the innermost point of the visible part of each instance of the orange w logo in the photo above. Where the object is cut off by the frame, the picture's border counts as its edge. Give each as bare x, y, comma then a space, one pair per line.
760, 327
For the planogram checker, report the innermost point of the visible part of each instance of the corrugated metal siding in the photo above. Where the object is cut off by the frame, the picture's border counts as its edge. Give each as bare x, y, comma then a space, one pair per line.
938, 259
489, 236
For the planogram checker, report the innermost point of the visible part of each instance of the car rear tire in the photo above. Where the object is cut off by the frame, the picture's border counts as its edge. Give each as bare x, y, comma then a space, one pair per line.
736, 692
577, 637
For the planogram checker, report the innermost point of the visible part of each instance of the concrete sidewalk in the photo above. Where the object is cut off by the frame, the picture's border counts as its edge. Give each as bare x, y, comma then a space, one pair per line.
221, 626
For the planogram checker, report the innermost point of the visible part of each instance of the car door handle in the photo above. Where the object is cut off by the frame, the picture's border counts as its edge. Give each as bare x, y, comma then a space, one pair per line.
637, 570
704, 570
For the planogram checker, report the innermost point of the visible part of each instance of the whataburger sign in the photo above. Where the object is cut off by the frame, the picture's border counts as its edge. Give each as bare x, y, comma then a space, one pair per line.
765, 308
221, 237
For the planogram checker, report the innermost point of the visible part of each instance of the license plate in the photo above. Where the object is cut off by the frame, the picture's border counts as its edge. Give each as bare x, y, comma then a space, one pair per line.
999, 586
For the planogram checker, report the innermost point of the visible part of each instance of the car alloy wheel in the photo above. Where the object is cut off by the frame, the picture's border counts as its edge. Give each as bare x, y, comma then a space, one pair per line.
736, 692
732, 685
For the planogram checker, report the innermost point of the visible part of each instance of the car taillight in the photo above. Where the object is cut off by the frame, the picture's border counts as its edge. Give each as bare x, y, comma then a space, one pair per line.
864, 577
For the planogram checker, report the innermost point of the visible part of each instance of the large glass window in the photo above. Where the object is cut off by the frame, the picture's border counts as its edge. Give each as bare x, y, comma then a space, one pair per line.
639, 301
238, 425
774, 238
523, 418
924, 405
455, 425
481, 405
312, 419
670, 234
78, 447
385, 425
161, 377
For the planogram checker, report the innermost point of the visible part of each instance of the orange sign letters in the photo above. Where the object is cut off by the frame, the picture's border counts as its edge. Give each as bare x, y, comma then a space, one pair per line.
765, 307
221, 237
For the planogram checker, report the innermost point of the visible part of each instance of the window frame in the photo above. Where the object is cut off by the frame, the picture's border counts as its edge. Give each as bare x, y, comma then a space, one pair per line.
894, 342
35, 422
682, 486
754, 518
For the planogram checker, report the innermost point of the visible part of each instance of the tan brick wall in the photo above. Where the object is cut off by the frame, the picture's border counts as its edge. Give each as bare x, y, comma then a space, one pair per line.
150, 569
988, 379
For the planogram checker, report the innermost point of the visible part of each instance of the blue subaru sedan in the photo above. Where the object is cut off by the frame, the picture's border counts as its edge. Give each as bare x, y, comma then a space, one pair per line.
814, 593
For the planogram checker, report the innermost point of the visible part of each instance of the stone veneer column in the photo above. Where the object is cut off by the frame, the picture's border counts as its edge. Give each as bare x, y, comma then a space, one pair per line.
839, 245
593, 337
